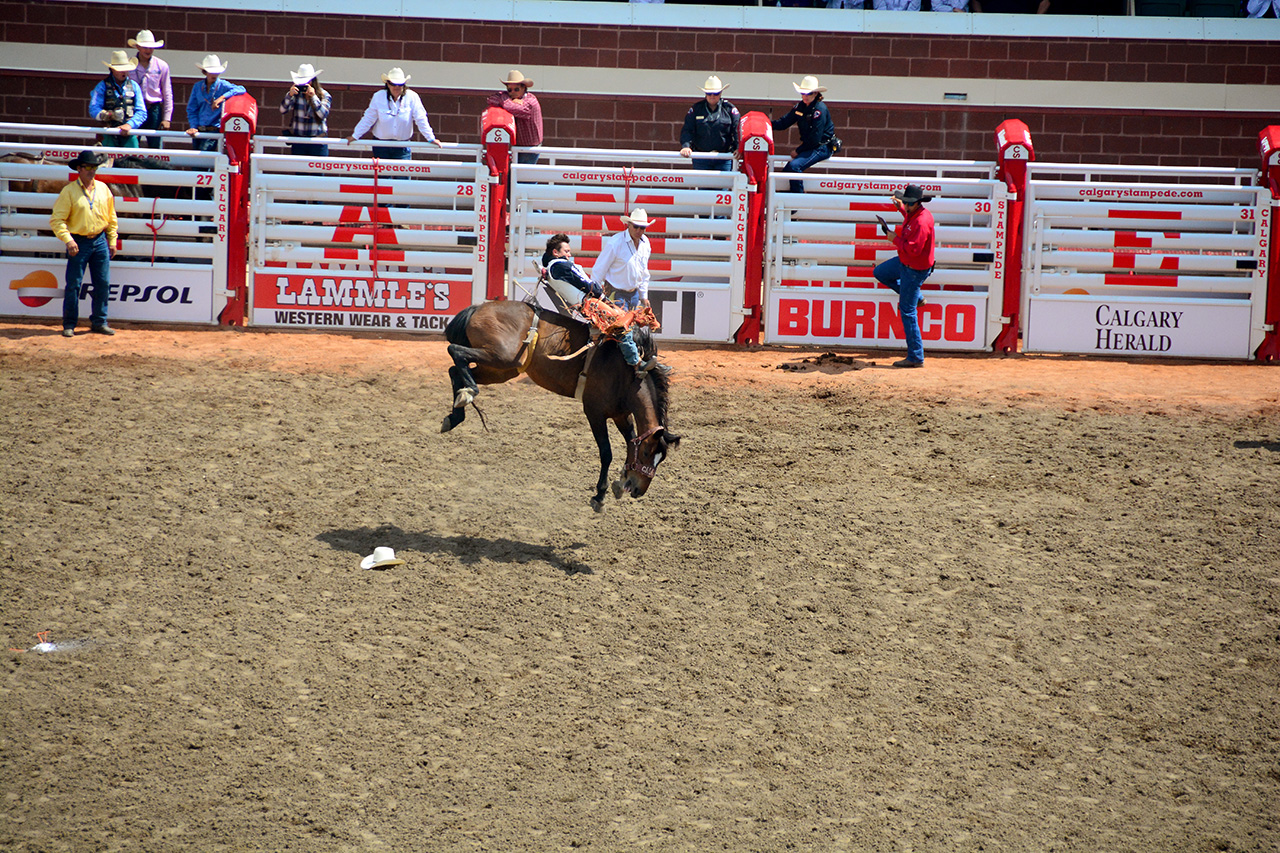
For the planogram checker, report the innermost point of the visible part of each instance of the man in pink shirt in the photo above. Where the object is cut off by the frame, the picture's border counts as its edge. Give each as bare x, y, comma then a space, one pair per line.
906, 273
522, 104
152, 76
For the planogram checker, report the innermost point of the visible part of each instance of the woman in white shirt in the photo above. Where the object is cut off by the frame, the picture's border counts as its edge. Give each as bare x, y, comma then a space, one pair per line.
392, 115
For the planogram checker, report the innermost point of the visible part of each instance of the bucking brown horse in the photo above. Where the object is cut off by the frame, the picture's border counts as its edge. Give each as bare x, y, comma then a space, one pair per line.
497, 341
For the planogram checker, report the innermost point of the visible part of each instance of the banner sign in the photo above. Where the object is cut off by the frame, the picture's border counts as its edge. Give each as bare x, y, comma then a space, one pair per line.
1135, 326
305, 299
165, 293
869, 318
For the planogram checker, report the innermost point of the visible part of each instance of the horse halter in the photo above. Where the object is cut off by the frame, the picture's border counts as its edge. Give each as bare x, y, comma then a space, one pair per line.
647, 470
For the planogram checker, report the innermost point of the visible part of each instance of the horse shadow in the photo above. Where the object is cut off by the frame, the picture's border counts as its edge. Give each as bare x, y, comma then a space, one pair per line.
1273, 446
469, 550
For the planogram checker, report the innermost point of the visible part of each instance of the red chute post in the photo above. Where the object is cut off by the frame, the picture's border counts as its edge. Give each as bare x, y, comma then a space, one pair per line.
1013, 151
239, 121
1269, 152
498, 130
754, 147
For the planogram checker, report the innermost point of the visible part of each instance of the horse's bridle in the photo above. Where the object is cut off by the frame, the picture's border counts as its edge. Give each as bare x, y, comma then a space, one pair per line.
646, 470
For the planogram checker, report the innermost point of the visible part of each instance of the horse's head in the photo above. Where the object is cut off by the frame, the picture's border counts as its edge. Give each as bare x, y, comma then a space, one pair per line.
645, 453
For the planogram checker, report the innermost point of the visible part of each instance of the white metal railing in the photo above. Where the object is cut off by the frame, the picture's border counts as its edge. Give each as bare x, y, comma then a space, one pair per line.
1188, 244
697, 239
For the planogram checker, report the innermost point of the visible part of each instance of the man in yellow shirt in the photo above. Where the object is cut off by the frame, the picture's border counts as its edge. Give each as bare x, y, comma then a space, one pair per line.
84, 217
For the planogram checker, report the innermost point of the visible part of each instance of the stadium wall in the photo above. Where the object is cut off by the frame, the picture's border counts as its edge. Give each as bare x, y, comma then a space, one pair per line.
1135, 90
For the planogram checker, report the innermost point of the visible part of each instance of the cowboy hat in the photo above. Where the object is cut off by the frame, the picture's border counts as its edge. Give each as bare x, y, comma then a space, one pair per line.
912, 195
517, 78
713, 86
305, 74
146, 39
638, 218
396, 77
211, 64
87, 157
381, 556
809, 85
120, 61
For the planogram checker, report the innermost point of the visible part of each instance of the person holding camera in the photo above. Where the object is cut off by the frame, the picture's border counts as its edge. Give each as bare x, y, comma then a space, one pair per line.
817, 131
307, 106
117, 101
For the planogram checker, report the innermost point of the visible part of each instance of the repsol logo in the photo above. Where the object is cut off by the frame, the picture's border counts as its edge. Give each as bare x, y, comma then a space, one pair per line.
874, 320
164, 294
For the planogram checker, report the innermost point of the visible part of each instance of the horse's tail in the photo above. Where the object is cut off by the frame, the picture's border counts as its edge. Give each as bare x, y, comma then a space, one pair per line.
456, 331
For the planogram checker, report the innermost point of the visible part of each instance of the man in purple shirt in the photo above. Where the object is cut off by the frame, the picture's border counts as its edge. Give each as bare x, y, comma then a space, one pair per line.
152, 75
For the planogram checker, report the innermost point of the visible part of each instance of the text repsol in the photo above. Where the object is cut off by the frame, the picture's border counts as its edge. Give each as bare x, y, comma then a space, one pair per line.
874, 320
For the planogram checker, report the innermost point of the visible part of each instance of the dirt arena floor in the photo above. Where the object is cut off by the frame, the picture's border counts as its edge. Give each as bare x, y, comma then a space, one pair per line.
998, 604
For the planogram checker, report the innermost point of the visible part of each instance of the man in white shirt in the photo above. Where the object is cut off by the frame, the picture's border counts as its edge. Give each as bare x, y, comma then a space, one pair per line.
392, 115
623, 263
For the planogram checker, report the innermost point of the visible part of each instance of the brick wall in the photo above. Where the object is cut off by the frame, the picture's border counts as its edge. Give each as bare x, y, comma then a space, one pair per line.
1154, 136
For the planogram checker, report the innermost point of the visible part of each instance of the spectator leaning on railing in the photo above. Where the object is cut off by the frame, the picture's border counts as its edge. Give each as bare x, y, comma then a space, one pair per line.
524, 107
117, 101
204, 109
392, 115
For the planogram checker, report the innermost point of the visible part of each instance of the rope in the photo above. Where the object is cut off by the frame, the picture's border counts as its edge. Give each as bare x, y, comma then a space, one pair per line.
155, 229
628, 178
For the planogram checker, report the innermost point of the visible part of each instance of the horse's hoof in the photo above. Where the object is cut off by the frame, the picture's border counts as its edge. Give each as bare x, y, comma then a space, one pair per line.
597, 504
464, 398
617, 489
446, 424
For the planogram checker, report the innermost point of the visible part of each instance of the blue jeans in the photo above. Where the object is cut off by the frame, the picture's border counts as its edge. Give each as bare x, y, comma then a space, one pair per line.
155, 115
204, 144
95, 255
801, 163
529, 158
389, 152
628, 300
713, 165
905, 281
308, 149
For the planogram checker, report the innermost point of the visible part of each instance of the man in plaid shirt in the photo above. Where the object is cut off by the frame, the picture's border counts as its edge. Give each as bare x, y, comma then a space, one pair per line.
522, 104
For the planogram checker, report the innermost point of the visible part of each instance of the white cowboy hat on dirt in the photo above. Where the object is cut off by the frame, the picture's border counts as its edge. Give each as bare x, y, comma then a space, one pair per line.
396, 77
121, 61
305, 74
146, 39
517, 78
381, 556
809, 85
639, 218
211, 64
713, 86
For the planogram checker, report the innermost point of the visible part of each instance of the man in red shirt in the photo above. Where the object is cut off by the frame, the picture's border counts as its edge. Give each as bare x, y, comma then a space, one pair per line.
906, 273
524, 106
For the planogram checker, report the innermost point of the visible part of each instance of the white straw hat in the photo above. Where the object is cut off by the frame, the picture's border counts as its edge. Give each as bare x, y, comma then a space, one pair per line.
381, 556
121, 61
638, 218
713, 86
396, 77
517, 78
146, 39
305, 74
211, 64
809, 84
